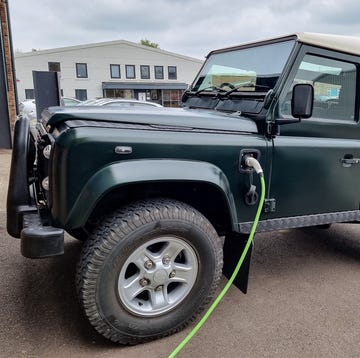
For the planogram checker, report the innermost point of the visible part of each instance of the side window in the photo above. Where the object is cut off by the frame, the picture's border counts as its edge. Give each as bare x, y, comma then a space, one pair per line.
54, 66
145, 72
115, 71
130, 71
159, 72
81, 70
172, 73
29, 93
334, 85
81, 94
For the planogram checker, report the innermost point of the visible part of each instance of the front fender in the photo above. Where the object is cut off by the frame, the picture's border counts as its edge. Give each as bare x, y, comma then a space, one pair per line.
137, 171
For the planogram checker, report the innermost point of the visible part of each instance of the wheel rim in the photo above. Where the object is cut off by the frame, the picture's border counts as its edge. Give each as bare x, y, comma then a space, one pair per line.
157, 276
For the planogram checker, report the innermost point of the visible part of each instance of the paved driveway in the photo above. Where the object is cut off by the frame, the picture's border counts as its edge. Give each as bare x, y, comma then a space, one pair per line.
303, 301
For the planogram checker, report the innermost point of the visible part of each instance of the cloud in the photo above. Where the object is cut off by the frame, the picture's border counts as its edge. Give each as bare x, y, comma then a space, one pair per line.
188, 27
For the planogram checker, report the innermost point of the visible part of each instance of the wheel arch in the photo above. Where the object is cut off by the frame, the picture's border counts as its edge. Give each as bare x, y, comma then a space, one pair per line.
199, 184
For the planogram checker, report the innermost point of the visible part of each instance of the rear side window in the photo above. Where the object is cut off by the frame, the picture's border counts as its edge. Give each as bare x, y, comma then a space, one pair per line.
334, 85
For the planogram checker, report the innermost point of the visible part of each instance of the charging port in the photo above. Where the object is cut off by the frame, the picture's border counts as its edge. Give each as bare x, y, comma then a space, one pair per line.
245, 153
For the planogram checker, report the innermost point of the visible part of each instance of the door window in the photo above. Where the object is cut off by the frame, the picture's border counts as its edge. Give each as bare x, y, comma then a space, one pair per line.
334, 85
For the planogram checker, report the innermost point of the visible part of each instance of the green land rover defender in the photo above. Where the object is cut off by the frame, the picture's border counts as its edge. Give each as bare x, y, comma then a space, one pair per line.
162, 197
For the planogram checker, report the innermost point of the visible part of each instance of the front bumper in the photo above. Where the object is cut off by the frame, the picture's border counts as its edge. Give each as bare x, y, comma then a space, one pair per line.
38, 239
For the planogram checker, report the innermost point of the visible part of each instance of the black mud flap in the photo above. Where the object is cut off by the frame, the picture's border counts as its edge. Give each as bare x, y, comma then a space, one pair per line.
233, 247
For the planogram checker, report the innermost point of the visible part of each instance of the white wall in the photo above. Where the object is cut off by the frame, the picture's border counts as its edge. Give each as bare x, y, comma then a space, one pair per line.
98, 58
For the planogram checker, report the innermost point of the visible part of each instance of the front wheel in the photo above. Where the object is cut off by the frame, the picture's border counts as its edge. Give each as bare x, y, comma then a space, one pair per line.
148, 270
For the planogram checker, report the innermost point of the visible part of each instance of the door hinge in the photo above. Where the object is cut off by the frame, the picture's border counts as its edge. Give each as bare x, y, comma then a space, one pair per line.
269, 205
273, 130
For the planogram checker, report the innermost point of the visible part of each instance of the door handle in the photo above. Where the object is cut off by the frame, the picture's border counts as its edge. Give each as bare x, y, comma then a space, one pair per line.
348, 162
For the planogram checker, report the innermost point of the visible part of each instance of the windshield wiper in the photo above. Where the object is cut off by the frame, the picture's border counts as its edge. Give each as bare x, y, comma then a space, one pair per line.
246, 85
219, 89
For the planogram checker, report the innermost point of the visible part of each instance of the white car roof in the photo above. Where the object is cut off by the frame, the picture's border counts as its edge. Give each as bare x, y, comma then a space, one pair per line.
349, 44
105, 101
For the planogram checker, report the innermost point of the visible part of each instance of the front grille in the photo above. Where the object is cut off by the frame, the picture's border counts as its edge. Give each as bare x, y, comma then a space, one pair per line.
43, 165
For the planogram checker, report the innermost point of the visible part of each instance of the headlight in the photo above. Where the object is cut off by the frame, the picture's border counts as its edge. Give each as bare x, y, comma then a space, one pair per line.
47, 151
45, 183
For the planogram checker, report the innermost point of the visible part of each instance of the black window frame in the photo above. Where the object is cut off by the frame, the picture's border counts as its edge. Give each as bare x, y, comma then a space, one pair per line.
29, 93
77, 70
175, 72
50, 63
80, 97
113, 65
142, 67
126, 72
156, 74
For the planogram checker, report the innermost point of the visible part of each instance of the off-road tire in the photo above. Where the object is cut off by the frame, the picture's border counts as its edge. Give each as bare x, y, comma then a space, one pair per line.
119, 237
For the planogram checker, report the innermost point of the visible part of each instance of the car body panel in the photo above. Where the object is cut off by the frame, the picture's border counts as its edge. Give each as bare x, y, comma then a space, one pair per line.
220, 150
172, 118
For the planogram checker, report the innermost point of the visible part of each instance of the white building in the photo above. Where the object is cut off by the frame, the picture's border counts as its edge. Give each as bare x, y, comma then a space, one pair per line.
110, 69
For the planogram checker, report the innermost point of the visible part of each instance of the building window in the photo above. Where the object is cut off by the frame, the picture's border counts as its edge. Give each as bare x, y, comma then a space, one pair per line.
81, 70
54, 66
159, 72
145, 72
171, 98
130, 71
172, 75
115, 71
29, 93
81, 94
118, 93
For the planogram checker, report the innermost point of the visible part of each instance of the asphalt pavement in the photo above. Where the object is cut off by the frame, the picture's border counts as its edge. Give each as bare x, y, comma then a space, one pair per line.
302, 301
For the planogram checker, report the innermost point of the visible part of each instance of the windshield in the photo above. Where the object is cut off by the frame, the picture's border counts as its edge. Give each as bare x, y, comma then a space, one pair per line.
248, 69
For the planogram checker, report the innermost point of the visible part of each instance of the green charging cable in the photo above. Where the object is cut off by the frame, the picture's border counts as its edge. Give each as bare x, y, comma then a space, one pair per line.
232, 278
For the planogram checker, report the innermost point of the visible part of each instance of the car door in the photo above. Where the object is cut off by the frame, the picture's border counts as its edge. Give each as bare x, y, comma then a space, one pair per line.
314, 165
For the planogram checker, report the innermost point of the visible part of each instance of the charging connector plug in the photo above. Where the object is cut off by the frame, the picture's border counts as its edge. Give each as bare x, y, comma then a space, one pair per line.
253, 163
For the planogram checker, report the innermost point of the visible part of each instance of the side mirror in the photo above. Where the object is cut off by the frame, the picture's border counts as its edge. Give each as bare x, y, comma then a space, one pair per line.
302, 101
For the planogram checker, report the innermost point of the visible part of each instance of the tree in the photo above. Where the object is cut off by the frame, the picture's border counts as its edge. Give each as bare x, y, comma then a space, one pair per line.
146, 42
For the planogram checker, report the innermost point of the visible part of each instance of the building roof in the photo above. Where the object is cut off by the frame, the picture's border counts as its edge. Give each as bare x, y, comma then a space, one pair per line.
105, 44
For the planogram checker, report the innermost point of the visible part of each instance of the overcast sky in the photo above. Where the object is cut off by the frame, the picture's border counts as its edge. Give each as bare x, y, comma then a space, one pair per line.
188, 27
